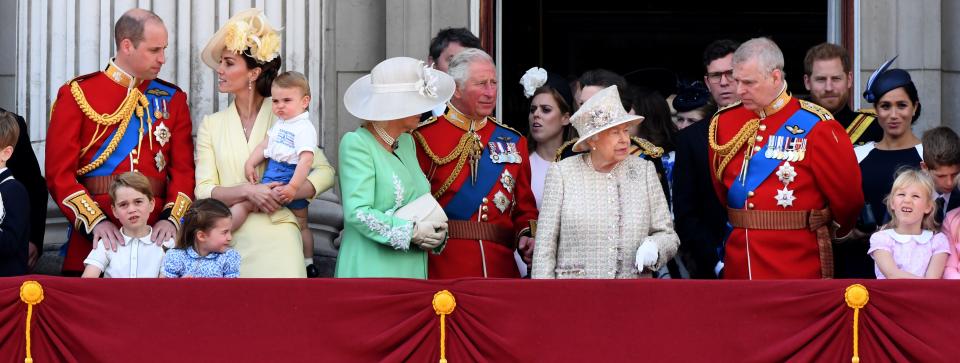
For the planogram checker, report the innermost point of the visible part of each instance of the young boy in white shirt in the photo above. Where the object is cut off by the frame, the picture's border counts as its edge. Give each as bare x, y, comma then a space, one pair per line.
138, 256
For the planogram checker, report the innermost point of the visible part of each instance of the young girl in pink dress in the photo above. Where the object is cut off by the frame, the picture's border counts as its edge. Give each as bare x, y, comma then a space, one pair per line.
909, 247
951, 229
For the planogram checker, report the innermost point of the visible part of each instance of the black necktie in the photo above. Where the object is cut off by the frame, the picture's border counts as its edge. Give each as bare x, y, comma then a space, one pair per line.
941, 210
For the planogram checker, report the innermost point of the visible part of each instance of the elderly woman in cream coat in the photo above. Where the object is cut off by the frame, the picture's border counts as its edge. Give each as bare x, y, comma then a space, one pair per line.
604, 214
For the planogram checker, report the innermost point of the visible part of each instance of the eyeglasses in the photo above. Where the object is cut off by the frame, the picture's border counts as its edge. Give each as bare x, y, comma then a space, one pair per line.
715, 77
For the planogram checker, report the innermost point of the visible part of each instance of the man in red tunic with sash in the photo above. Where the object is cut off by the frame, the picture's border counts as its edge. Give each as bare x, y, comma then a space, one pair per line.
786, 171
479, 172
120, 120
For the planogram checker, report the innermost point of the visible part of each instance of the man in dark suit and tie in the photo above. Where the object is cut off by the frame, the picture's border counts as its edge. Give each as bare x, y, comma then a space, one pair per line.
941, 159
700, 218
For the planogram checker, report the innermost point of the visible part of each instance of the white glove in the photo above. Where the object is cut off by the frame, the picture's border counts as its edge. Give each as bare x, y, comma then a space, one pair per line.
428, 234
647, 255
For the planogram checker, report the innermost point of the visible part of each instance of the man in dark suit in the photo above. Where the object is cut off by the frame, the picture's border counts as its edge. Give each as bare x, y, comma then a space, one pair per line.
699, 217
941, 159
26, 169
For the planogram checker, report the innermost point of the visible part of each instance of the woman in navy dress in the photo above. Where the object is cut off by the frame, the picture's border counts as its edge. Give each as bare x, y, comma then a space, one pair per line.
894, 96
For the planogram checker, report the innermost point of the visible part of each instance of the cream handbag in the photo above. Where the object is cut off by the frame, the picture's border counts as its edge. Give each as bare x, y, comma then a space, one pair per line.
424, 208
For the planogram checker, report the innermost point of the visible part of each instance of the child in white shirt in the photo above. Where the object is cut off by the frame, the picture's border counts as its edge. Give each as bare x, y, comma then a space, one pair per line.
139, 257
288, 150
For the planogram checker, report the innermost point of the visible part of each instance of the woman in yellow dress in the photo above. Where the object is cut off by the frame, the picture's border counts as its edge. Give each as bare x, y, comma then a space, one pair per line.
245, 54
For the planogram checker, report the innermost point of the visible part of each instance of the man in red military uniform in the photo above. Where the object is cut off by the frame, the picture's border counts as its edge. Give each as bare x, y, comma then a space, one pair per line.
479, 172
119, 120
785, 169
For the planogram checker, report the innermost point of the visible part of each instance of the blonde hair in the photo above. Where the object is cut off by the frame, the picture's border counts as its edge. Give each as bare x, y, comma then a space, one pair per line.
907, 177
293, 79
133, 180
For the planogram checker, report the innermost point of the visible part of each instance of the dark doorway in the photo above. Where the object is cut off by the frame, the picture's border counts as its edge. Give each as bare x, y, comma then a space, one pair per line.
656, 37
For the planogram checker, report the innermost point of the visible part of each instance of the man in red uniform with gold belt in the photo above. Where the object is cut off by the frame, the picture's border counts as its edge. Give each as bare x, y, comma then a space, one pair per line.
119, 120
479, 172
786, 171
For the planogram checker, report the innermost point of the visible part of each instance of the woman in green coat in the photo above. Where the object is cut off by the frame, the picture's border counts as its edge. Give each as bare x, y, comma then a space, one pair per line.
379, 172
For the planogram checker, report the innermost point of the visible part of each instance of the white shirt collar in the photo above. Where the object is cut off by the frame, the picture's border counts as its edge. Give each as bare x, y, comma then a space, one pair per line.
946, 196
922, 238
145, 239
303, 116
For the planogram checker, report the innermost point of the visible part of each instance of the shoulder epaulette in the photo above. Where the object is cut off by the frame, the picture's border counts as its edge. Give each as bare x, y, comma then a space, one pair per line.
168, 84
724, 109
494, 120
816, 110
426, 122
867, 111
727, 107
564, 148
81, 77
860, 124
646, 147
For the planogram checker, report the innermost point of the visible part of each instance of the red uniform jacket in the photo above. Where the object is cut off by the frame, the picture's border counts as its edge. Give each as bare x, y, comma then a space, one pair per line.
465, 258
166, 158
827, 176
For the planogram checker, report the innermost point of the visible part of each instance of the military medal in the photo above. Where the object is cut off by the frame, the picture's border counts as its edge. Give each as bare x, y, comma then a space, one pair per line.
514, 155
803, 150
156, 109
501, 201
166, 111
769, 154
494, 152
792, 151
782, 147
161, 162
507, 180
162, 134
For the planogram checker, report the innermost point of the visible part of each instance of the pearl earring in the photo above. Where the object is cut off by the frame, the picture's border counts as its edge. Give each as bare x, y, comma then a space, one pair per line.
250, 85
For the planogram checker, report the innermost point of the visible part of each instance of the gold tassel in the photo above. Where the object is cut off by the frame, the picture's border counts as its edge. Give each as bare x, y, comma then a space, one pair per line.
856, 296
31, 293
443, 304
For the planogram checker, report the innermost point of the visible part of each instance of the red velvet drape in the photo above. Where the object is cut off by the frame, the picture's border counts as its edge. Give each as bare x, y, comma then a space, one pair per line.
347, 320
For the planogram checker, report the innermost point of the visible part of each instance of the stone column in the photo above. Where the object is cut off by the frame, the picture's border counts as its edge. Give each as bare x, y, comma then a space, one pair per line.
912, 30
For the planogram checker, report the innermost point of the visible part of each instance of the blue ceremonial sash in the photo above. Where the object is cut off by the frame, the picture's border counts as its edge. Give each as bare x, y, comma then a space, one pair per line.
464, 204
132, 135
760, 166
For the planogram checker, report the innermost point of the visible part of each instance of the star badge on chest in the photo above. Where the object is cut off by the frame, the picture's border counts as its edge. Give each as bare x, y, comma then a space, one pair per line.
785, 197
161, 162
501, 201
507, 180
162, 134
786, 173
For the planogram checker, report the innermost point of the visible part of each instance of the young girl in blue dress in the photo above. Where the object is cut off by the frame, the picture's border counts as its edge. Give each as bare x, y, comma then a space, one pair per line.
203, 246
